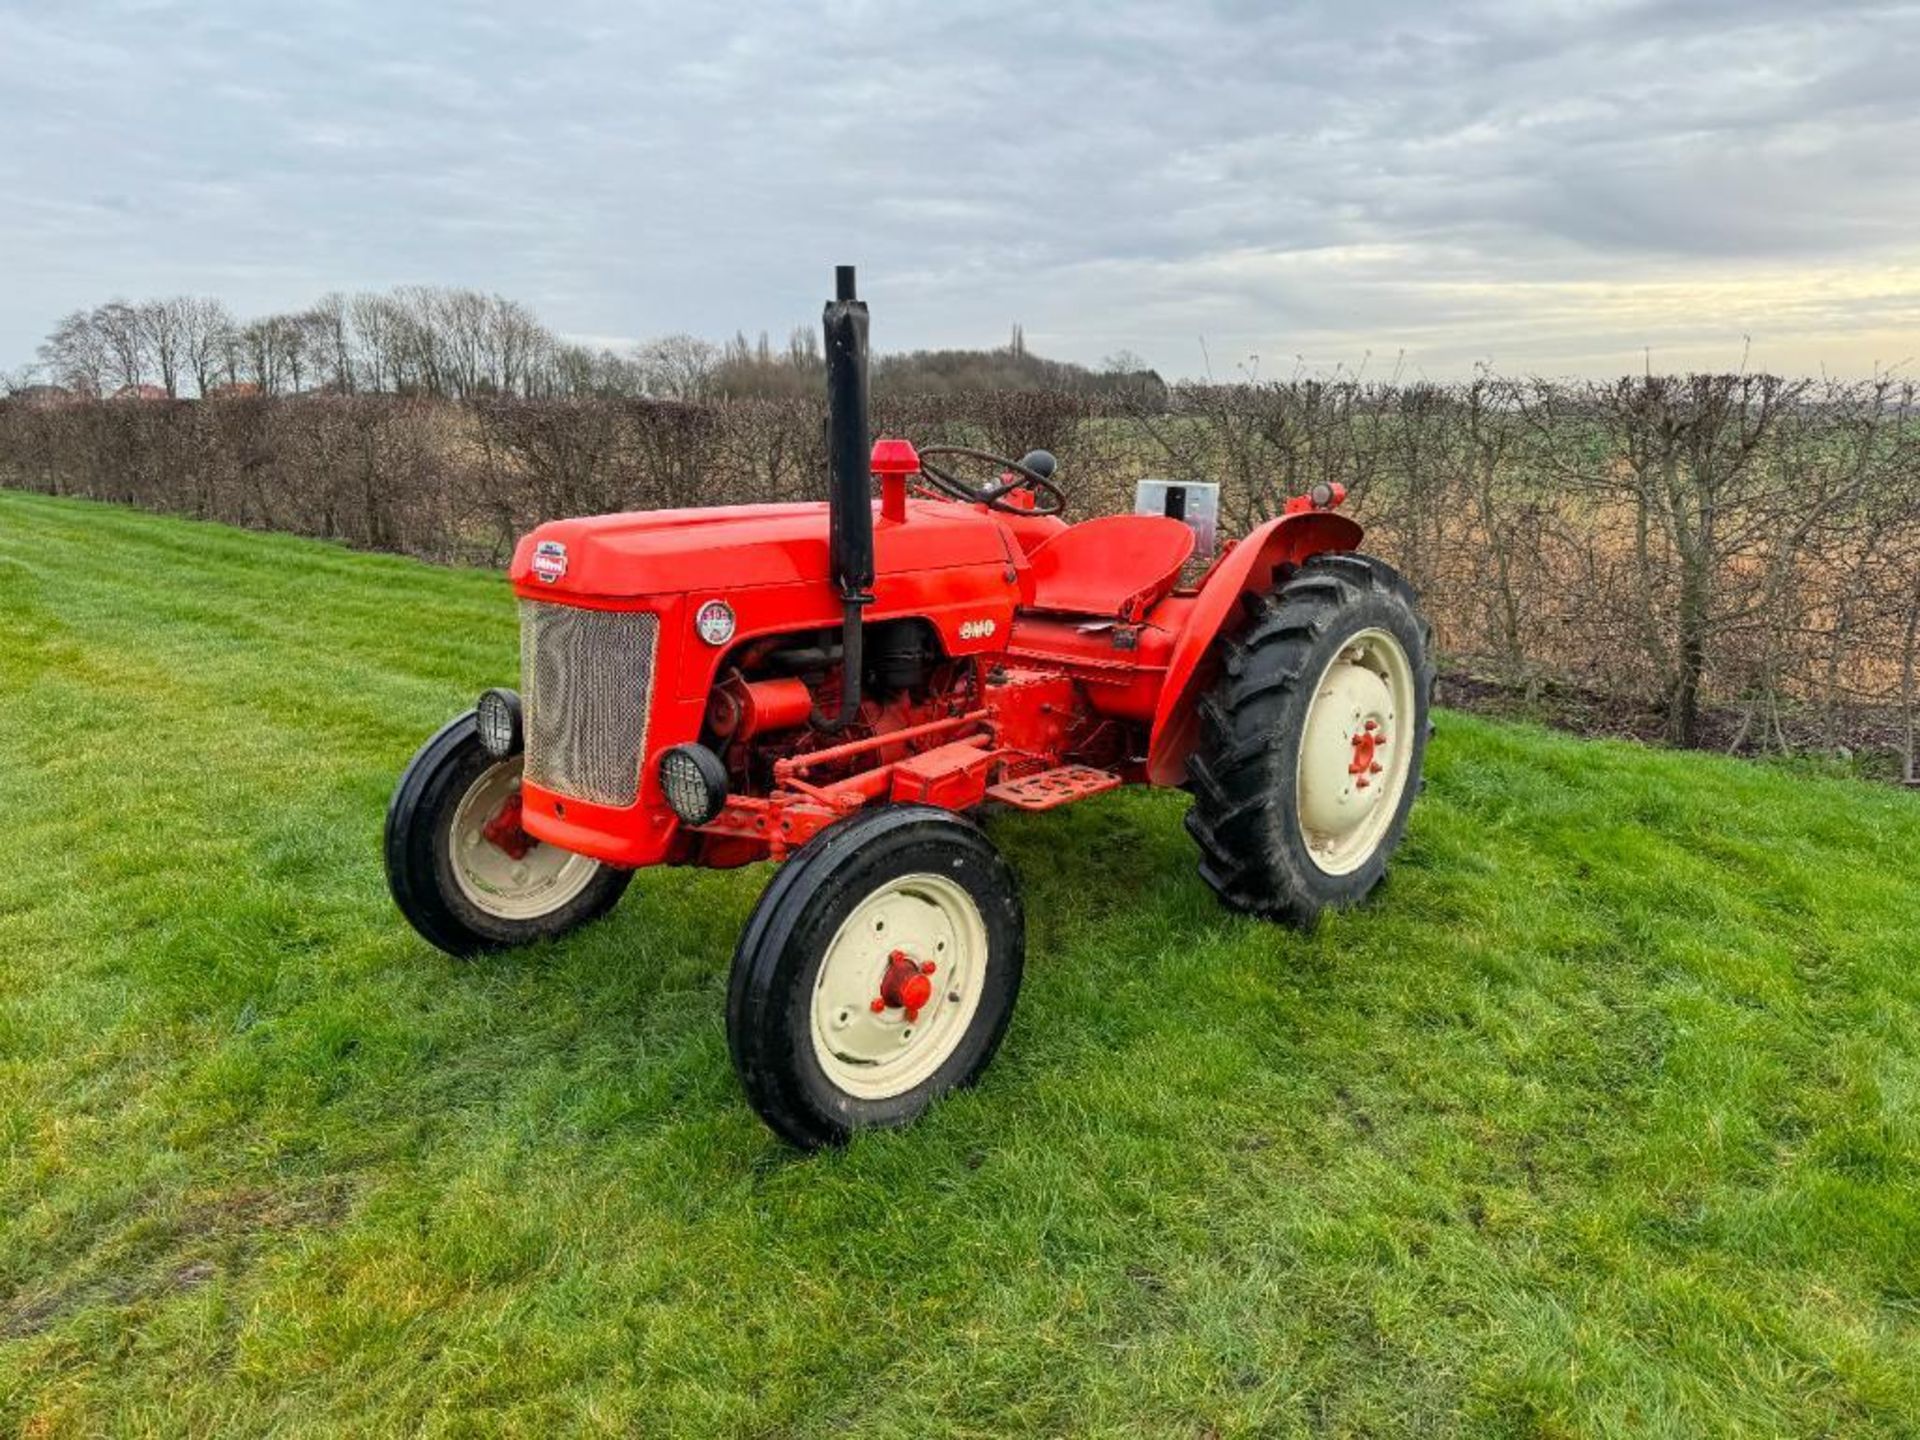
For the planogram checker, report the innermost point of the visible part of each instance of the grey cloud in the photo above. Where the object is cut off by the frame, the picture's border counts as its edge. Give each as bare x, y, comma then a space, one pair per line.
1461, 181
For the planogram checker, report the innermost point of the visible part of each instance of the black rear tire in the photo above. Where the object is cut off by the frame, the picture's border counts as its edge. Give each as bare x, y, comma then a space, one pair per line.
1255, 851
420, 860
777, 969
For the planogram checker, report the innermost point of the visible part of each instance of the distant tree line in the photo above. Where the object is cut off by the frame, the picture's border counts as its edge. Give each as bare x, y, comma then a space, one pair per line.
458, 344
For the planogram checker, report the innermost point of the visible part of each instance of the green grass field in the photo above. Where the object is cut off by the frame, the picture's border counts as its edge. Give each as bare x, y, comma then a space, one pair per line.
1604, 1119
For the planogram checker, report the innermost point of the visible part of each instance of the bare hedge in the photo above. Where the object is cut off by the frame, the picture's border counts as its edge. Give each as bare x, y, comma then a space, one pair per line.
1739, 553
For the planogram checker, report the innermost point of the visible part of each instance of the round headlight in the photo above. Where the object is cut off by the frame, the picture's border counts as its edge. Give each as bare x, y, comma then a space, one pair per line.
498, 714
695, 782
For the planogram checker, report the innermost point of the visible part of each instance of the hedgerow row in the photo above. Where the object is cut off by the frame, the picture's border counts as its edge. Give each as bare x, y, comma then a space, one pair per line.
1741, 553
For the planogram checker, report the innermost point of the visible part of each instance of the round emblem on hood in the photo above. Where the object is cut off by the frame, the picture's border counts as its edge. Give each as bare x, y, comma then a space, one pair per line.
715, 622
550, 560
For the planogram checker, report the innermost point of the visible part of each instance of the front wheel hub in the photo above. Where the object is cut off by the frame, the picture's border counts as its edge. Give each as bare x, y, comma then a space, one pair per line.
905, 986
898, 985
502, 870
504, 831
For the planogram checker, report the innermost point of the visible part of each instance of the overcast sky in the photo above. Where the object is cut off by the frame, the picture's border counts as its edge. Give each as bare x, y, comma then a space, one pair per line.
1546, 187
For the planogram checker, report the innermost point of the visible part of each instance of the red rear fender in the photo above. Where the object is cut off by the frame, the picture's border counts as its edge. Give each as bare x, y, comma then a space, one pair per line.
1246, 569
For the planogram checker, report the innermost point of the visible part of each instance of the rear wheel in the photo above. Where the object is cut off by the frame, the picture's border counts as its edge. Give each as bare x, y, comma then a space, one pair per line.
461, 869
1312, 741
878, 972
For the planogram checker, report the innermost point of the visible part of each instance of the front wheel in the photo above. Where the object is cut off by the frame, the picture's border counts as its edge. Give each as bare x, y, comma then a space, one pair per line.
878, 972
1312, 741
461, 869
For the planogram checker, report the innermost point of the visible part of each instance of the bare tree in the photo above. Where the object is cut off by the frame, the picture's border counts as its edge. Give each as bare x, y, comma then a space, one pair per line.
329, 328
275, 353
76, 355
458, 323
125, 340
803, 349
582, 373
204, 326
678, 367
517, 344
162, 337
15, 382
374, 327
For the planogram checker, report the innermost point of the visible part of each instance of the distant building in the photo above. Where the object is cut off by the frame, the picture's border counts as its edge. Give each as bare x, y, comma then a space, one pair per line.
139, 392
234, 390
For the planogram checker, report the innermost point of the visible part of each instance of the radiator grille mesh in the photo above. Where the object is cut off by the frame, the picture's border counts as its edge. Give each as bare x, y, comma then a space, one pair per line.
588, 676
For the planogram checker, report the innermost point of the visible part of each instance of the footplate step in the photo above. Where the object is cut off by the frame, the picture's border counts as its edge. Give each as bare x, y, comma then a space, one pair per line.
1049, 788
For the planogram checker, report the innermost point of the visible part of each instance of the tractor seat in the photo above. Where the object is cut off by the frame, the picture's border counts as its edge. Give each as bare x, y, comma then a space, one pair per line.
1098, 566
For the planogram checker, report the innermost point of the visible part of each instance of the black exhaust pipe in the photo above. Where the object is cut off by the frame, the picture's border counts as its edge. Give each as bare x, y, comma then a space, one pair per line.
850, 496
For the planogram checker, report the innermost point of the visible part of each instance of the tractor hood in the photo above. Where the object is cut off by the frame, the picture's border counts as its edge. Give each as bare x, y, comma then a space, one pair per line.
663, 552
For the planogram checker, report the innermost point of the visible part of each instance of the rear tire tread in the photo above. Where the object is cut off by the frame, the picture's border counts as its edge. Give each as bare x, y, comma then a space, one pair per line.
1243, 817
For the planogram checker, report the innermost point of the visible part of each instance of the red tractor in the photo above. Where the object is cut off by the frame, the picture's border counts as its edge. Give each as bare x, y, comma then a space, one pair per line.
840, 686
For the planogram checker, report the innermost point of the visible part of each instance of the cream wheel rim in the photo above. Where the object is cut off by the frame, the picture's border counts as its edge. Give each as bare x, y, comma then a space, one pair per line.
496, 882
1356, 751
873, 1049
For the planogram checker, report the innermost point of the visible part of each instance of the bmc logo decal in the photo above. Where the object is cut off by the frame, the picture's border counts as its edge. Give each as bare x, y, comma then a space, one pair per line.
550, 560
976, 629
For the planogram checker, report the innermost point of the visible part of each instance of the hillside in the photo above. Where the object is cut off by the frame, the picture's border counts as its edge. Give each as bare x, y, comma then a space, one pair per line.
1604, 1119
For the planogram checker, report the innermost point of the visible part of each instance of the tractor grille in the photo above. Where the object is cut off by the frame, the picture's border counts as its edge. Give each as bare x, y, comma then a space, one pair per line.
589, 679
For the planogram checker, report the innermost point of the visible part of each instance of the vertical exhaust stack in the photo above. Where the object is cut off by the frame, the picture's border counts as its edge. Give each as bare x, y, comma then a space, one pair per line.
850, 492
848, 440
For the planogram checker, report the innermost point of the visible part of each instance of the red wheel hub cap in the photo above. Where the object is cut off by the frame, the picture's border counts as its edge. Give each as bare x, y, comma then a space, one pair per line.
905, 986
504, 833
1365, 743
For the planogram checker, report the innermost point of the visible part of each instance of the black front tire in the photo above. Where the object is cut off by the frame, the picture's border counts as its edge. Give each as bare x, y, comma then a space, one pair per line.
778, 965
420, 859
1245, 772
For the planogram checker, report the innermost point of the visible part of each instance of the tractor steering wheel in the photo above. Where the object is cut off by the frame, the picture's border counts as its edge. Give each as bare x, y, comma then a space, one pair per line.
1032, 473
